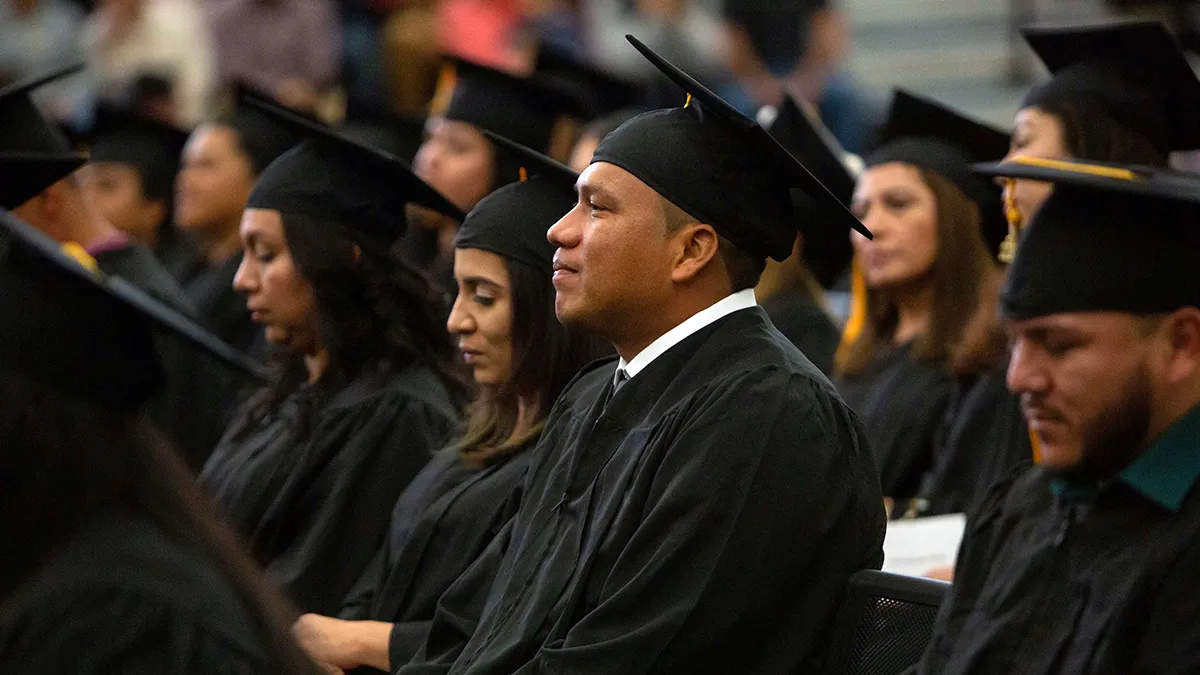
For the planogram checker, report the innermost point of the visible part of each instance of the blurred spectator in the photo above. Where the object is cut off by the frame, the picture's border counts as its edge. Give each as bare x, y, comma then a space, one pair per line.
39, 36
483, 31
798, 47
129, 39
555, 24
290, 48
687, 34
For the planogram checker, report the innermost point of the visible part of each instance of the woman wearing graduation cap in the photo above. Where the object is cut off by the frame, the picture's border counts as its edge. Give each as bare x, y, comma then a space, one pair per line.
461, 163
365, 386
112, 559
1118, 92
918, 282
522, 358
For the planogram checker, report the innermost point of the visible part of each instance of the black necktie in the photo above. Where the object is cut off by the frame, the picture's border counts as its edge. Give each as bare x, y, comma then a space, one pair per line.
618, 380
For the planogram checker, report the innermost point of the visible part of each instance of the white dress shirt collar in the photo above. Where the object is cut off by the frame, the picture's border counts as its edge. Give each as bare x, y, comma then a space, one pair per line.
730, 304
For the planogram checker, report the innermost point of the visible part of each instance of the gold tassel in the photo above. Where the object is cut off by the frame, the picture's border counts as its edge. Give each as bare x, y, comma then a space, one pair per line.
81, 256
524, 175
1037, 447
688, 102
444, 91
1008, 248
858, 304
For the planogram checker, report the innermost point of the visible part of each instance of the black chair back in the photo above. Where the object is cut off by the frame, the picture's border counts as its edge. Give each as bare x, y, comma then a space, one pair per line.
884, 624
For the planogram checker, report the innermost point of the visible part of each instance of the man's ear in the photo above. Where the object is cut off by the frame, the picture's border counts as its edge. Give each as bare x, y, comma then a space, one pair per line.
698, 244
1182, 332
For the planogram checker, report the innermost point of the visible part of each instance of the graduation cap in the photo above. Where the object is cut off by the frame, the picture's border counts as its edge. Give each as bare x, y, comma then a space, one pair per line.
827, 252
931, 136
512, 221
339, 180
261, 138
719, 166
34, 152
525, 109
148, 145
597, 92
1134, 71
84, 332
1110, 238
394, 133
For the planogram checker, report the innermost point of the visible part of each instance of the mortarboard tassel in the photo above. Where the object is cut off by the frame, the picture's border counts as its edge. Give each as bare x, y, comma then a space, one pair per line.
857, 319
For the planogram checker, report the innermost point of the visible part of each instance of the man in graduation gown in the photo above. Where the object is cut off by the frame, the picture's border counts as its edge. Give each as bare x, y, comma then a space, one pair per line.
1087, 563
37, 182
698, 506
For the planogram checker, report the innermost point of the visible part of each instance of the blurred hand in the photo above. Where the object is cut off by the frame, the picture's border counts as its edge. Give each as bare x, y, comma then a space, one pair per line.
940, 573
667, 10
330, 642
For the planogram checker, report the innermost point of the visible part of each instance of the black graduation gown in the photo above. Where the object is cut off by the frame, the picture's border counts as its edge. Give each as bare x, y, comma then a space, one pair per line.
1068, 579
222, 309
193, 408
807, 325
177, 254
312, 489
704, 522
441, 524
983, 437
120, 597
901, 402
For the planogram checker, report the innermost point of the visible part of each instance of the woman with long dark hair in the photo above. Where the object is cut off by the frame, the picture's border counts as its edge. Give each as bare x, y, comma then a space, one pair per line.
917, 283
112, 559
522, 358
364, 388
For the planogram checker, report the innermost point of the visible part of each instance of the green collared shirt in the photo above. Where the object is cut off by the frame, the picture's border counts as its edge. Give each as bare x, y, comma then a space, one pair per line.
1167, 471
1164, 473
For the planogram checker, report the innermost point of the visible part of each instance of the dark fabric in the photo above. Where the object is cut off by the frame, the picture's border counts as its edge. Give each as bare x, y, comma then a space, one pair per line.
222, 309
807, 326
705, 521
192, 408
513, 221
311, 486
1092, 250
122, 598
901, 401
62, 328
1073, 584
983, 437
177, 254
442, 523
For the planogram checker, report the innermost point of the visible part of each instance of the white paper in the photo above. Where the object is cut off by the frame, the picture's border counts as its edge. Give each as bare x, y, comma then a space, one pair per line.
914, 547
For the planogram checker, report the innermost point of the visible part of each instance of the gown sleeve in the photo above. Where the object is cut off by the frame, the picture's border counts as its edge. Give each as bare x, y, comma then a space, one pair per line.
357, 604
113, 631
736, 507
458, 613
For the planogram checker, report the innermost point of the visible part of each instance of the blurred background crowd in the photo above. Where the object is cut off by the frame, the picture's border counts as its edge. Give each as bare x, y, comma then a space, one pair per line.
180, 59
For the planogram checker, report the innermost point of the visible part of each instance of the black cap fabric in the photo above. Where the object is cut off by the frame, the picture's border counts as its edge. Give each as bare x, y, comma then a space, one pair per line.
596, 91
1110, 238
394, 133
34, 152
83, 332
827, 252
1134, 72
338, 180
719, 166
513, 220
931, 136
525, 109
261, 138
148, 145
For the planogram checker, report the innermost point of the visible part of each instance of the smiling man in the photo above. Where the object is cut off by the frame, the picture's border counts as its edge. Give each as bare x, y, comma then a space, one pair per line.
697, 506
1087, 563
